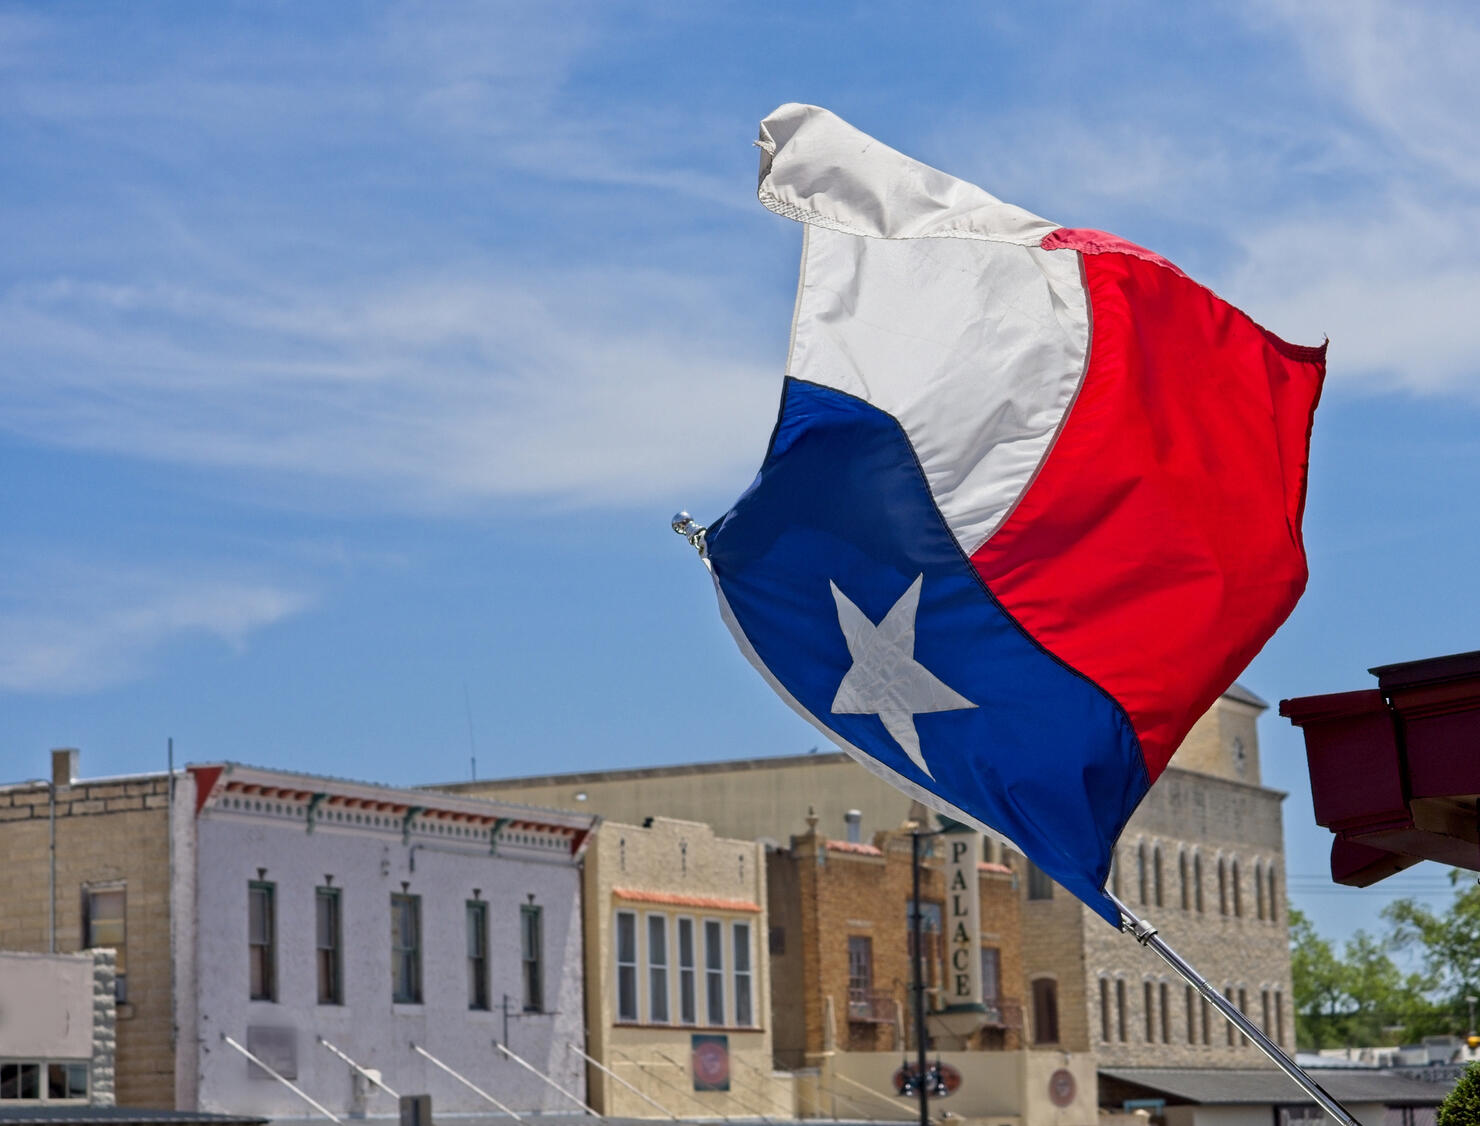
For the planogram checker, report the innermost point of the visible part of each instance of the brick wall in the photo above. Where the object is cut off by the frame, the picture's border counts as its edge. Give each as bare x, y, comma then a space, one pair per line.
107, 832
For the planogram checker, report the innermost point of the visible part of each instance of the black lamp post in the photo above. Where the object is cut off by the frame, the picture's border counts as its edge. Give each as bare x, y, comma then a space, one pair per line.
922, 1075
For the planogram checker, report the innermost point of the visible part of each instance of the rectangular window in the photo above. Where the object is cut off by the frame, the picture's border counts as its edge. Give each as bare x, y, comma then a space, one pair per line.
1279, 1018
20, 1080
1166, 1013
1120, 1009
1045, 1012
1191, 1015
66, 1081
103, 911
991, 976
531, 948
477, 937
626, 966
1148, 992
657, 962
1243, 1007
406, 949
328, 939
1105, 1018
744, 1012
714, 972
1040, 886
262, 940
688, 1008
1228, 1030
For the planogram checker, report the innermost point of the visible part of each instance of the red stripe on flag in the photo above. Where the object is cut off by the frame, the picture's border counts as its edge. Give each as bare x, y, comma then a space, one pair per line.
1159, 546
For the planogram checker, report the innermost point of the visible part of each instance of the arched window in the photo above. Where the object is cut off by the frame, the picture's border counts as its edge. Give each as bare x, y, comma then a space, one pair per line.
1156, 874
1222, 886
1238, 902
1266, 1023
1106, 1021
1270, 897
1165, 997
1045, 1011
1120, 1009
1148, 1000
1141, 873
1191, 1015
1279, 1018
1182, 876
1259, 890
1197, 880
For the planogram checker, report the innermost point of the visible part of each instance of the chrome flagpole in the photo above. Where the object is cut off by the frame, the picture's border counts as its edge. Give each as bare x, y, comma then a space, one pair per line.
1146, 935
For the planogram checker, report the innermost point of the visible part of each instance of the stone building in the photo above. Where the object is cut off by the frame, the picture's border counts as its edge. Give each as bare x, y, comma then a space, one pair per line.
57, 1029
678, 974
101, 881
278, 913
1208, 814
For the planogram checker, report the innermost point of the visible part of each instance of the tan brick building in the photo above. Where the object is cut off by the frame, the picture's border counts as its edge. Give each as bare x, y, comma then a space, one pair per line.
111, 889
1208, 812
678, 975
841, 963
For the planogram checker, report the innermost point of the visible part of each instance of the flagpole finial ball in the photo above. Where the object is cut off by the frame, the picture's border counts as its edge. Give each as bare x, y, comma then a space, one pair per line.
685, 526
681, 522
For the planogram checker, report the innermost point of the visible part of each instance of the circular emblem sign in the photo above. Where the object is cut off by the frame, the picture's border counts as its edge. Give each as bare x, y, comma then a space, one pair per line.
949, 1077
1061, 1087
712, 1065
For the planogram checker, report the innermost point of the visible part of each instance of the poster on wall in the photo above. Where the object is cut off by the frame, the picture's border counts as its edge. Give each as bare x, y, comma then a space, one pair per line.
711, 1061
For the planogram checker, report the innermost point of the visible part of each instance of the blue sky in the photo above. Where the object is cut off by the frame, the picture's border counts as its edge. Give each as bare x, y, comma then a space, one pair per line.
353, 358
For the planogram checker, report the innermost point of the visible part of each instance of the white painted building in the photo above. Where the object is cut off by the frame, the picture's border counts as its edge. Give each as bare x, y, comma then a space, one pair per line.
378, 921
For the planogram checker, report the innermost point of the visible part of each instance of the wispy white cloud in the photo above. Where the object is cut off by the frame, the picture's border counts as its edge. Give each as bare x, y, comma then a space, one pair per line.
579, 388
80, 628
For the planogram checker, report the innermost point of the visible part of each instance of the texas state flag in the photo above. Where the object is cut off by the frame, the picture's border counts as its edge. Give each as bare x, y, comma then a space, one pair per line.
1032, 501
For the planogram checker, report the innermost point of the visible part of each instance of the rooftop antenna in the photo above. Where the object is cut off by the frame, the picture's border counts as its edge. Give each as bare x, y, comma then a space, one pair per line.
472, 742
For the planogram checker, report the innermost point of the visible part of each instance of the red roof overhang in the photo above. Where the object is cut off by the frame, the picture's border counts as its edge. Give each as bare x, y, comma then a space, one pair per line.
1395, 771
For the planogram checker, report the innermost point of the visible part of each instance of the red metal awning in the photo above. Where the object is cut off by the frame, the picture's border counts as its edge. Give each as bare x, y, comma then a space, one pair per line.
1395, 771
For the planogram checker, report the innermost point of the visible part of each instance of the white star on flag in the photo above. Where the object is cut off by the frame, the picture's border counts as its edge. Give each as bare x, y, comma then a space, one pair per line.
885, 679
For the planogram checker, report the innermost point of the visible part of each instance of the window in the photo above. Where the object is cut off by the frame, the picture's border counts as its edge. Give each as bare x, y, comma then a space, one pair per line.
103, 911
1191, 1015
1269, 876
1105, 1019
1197, 880
1120, 1009
1166, 1014
1141, 874
1045, 1011
531, 951
1279, 1017
406, 949
1148, 996
1222, 886
1206, 1009
1264, 1007
22, 1079
626, 966
744, 1014
1238, 905
1243, 1007
860, 974
1039, 885
328, 940
714, 972
262, 940
1182, 876
477, 938
991, 975
1229, 1030
657, 961
688, 1008
1259, 890
1156, 875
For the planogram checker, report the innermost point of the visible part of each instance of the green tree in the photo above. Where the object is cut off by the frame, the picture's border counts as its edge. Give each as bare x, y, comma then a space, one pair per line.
1461, 1107
1357, 998
1448, 944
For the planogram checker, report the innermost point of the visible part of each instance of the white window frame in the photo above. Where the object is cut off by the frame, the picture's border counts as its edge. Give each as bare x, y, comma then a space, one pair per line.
657, 970
711, 971
635, 1016
691, 971
746, 1019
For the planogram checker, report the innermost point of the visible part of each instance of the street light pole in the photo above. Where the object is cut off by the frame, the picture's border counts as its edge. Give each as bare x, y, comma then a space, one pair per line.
919, 974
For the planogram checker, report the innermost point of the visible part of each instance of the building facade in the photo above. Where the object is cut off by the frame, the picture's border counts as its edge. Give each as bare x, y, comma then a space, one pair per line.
88, 867
57, 1029
678, 974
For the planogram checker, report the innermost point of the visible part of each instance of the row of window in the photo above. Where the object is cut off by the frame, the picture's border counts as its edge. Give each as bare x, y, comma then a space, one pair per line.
1152, 890
1197, 1013
43, 1080
670, 964
406, 948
